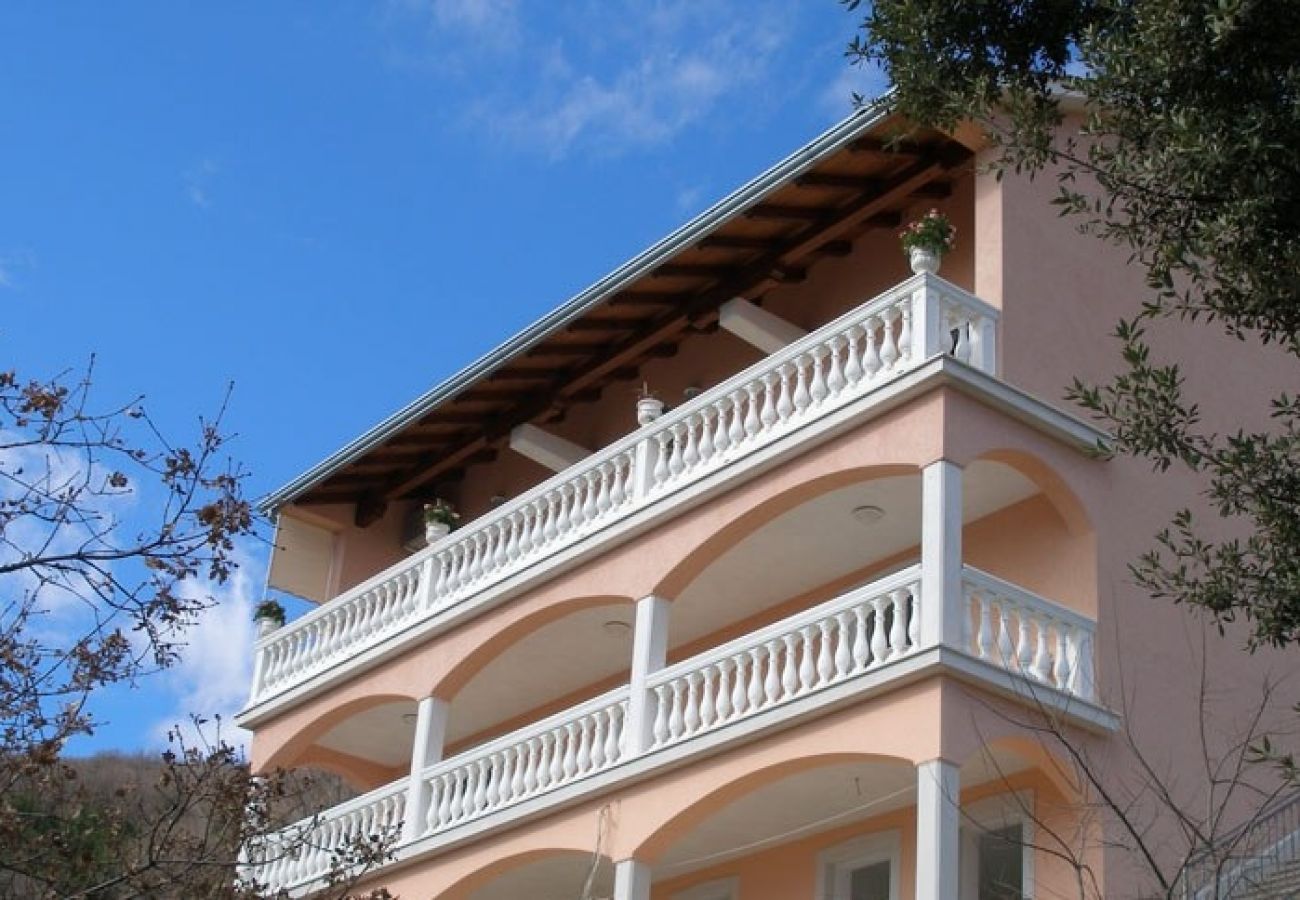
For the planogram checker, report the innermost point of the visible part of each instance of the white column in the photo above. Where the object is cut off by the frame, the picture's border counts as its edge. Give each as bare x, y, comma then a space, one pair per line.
430, 736
649, 652
938, 792
942, 609
631, 880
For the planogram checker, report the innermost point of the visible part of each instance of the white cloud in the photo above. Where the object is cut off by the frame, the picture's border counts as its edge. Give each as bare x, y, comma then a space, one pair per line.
608, 76
198, 180
13, 262
837, 97
213, 675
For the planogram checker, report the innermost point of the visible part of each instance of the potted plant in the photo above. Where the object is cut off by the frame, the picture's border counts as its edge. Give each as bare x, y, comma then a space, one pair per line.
648, 405
926, 240
439, 519
269, 615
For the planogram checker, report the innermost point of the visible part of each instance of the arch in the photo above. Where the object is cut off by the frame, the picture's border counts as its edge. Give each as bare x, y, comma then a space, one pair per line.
460, 672
465, 886
654, 845
1054, 487
1054, 768
288, 753
762, 511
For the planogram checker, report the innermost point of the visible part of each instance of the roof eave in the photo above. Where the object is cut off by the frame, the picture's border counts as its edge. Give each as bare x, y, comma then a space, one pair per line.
816, 150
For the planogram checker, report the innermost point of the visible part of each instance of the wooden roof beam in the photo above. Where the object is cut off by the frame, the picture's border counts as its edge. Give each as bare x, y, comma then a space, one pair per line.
833, 180
746, 280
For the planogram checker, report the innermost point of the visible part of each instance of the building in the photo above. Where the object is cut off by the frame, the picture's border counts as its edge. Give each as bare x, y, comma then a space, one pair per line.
795, 637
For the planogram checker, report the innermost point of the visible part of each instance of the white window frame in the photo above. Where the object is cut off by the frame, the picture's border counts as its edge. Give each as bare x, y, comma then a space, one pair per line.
718, 889
836, 862
993, 814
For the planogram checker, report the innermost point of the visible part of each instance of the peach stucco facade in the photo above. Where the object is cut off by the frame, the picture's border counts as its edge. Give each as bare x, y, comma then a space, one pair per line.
977, 477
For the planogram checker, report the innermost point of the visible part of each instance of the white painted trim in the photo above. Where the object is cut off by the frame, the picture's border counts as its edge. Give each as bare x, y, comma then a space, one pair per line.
631, 880
758, 327
936, 373
546, 449
866, 850
938, 834
717, 889
991, 814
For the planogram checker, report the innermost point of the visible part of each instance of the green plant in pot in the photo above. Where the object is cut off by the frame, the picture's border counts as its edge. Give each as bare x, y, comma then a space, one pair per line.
926, 240
440, 517
269, 615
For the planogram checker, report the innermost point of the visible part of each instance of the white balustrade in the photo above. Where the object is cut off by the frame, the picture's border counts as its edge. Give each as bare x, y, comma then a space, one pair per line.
859, 632
808, 379
846, 637
544, 756
312, 848
1024, 633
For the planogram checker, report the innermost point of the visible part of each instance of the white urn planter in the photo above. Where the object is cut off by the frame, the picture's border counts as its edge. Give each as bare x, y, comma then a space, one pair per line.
435, 531
924, 260
265, 625
648, 409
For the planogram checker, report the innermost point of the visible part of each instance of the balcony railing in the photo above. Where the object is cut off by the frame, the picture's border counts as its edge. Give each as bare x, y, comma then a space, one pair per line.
825, 371
826, 654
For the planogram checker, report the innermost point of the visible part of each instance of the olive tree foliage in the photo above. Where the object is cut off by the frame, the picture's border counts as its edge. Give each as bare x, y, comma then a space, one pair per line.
112, 540
1189, 158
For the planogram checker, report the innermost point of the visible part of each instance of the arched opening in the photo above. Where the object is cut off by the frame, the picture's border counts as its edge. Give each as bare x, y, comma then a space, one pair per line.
366, 742
541, 874
547, 662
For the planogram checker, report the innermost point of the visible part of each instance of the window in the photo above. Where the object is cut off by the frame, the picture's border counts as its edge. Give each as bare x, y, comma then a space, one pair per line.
1001, 864
996, 848
864, 868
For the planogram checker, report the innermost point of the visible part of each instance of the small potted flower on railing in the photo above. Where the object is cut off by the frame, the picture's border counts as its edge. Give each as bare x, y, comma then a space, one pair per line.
648, 405
440, 517
268, 616
926, 240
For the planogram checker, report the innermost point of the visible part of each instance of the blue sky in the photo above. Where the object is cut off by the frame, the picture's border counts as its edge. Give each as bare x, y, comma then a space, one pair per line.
335, 206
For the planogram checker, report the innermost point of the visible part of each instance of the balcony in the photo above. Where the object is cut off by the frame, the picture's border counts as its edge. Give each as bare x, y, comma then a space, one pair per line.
832, 379
869, 640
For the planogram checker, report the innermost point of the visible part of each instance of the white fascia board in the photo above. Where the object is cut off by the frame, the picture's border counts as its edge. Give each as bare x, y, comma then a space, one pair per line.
546, 449
755, 325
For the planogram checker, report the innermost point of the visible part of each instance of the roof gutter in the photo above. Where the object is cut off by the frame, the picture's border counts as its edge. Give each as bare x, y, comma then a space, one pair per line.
824, 145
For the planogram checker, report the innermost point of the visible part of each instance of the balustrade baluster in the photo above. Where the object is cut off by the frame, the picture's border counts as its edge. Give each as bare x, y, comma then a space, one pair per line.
871, 359
721, 439
898, 634
818, 388
835, 371
584, 744
984, 632
736, 430
662, 710
755, 694
691, 715
614, 738
1042, 664
559, 750
569, 735
790, 667
1024, 649
772, 683
724, 706
853, 362
888, 339
861, 646
807, 668
802, 398
753, 421
879, 638
1061, 660
825, 651
739, 699
905, 336
706, 698
784, 402
1006, 651
767, 415
676, 720
691, 452
602, 490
